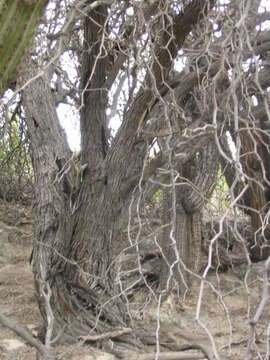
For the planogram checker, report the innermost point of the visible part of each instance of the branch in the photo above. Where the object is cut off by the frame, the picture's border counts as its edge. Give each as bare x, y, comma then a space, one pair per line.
185, 146
262, 44
265, 298
262, 78
262, 17
172, 43
122, 147
148, 11
173, 355
25, 334
115, 98
257, 112
115, 70
94, 141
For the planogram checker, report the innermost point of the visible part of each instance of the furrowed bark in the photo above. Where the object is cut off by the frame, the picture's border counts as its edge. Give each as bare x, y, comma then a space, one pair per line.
182, 237
76, 241
49, 148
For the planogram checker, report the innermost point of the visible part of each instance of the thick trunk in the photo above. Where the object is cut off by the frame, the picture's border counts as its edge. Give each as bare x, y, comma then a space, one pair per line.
72, 251
74, 229
77, 231
182, 237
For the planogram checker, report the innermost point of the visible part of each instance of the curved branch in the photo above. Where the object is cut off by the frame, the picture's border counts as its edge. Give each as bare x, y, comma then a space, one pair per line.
25, 334
148, 11
122, 148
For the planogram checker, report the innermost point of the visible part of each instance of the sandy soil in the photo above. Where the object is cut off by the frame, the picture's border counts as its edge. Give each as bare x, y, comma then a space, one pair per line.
225, 311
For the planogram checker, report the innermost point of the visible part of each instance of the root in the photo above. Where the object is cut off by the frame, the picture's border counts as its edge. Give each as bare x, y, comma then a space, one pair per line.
107, 335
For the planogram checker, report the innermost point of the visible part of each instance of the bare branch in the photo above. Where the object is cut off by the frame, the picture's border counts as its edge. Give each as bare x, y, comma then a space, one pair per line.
25, 334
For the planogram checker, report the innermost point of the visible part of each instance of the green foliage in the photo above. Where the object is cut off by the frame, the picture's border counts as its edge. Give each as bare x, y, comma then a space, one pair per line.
157, 197
18, 23
16, 173
220, 199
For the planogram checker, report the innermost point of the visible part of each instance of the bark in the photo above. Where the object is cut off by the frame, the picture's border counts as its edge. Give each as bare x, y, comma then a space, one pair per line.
73, 235
50, 151
128, 134
77, 230
78, 227
182, 237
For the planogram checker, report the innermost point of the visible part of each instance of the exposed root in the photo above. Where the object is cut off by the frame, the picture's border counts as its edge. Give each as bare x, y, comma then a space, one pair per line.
108, 335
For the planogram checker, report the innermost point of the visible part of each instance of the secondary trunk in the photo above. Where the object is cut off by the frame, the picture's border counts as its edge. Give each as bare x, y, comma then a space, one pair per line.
182, 217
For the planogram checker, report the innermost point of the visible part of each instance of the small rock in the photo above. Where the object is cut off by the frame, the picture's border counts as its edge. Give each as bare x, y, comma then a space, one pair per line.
33, 329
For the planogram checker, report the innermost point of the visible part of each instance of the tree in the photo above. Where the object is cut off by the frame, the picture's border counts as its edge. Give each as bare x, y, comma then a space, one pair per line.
92, 211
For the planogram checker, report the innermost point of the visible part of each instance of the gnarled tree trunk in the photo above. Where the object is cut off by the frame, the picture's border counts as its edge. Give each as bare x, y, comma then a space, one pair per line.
77, 231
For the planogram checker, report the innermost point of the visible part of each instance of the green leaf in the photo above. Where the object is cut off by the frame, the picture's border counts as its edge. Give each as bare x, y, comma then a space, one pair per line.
18, 23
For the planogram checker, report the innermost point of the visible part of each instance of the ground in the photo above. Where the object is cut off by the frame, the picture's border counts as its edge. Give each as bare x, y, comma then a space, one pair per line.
225, 308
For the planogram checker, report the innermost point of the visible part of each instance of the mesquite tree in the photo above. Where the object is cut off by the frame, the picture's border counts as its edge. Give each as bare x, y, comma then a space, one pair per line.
188, 81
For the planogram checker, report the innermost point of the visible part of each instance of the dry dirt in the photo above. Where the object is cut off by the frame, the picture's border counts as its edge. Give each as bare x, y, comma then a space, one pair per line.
223, 310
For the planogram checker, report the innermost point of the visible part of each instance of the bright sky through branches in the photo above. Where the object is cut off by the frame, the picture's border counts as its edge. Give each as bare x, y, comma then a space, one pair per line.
70, 119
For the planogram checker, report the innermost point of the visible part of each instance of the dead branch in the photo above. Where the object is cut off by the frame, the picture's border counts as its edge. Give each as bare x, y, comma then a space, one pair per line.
25, 334
176, 355
147, 12
264, 300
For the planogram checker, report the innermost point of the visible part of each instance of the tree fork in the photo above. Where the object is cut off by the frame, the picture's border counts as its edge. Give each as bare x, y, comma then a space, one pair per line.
73, 249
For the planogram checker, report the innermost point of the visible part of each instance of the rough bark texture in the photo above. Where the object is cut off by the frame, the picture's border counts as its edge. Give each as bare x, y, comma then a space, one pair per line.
78, 232
85, 229
182, 238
